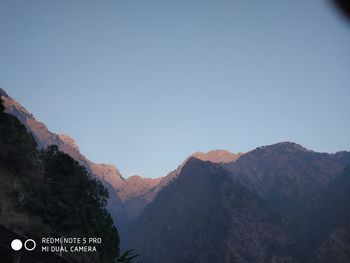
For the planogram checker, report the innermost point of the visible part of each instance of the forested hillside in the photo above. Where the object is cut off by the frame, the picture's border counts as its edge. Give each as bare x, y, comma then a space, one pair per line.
48, 194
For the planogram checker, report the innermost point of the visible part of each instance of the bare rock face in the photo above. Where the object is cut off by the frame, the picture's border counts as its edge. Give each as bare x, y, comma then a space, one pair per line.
69, 141
109, 173
135, 186
217, 156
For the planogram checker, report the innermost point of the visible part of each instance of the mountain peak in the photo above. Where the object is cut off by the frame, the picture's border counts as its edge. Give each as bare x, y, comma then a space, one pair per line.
109, 173
15, 108
193, 161
217, 156
108, 168
134, 177
286, 146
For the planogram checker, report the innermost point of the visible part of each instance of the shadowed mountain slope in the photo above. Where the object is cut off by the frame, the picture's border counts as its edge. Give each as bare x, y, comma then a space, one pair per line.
287, 170
295, 182
206, 216
139, 202
226, 212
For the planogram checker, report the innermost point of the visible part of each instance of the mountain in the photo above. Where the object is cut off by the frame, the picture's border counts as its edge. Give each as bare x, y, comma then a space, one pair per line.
207, 216
123, 193
217, 156
137, 193
128, 197
107, 173
48, 194
65, 143
145, 190
286, 170
135, 186
278, 203
124, 203
294, 181
333, 222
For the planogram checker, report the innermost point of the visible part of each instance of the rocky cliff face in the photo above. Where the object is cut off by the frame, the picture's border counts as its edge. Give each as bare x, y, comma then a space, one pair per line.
108, 173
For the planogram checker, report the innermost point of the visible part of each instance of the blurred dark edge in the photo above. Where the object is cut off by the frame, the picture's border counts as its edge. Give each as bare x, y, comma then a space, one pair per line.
344, 7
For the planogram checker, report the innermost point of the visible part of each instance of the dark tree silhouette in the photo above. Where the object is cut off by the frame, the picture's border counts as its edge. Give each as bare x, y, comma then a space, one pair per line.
2, 106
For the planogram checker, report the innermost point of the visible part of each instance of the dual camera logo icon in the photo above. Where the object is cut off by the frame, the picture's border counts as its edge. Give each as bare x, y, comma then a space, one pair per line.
17, 244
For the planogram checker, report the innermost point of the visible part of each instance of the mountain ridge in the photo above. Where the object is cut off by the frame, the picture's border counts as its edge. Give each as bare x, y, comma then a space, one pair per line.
127, 195
180, 216
284, 187
45, 137
274, 191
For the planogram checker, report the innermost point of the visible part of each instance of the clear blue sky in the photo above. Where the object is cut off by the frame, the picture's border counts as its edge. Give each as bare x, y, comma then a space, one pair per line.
144, 83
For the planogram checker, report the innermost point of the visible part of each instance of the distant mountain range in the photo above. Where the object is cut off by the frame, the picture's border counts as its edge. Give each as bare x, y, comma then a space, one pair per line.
128, 196
277, 203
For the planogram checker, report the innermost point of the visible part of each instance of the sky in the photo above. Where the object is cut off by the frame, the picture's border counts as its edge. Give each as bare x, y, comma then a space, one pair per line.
142, 84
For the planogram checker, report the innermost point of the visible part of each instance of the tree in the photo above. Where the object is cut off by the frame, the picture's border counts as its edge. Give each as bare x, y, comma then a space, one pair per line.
18, 149
75, 204
2, 106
